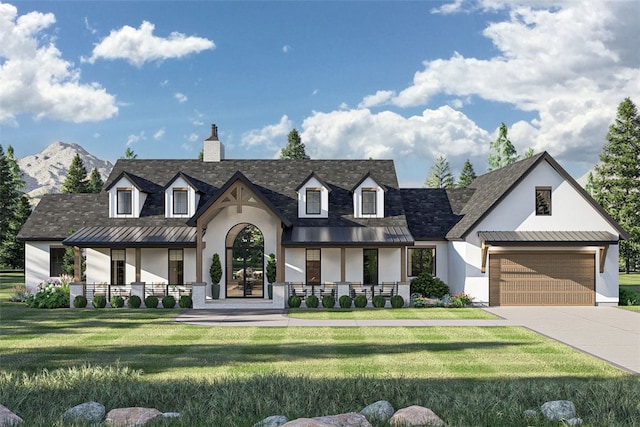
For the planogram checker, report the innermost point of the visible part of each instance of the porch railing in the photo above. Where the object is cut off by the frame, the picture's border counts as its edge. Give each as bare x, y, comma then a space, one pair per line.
108, 290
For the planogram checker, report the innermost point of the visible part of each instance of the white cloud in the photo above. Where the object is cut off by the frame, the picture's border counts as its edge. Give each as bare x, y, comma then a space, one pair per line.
286, 48
379, 98
193, 137
159, 134
181, 97
131, 139
571, 64
89, 27
139, 45
270, 137
36, 79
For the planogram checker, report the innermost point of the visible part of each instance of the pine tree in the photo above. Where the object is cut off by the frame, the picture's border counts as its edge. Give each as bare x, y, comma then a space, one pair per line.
503, 153
616, 184
295, 147
440, 175
129, 154
76, 179
466, 175
11, 250
95, 182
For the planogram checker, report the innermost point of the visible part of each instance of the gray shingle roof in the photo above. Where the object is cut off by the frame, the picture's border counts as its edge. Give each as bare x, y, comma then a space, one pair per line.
428, 212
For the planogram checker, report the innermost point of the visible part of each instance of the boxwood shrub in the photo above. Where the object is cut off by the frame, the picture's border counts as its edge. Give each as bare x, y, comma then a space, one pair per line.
294, 301
134, 301
80, 301
168, 301
151, 301
117, 301
360, 301
379, 301
312, 301
428, 286
99, 301
185, 301
345, 301
328, 301
397, 301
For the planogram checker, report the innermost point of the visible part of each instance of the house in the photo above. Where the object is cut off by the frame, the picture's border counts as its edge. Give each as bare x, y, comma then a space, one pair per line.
525, 234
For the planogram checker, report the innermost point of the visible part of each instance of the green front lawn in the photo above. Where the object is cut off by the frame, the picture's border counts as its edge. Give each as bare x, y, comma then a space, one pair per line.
629, 279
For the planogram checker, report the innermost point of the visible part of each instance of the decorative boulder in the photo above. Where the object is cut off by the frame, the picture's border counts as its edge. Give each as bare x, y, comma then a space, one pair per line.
306, 422
272, 421
415, 416
130, 417
558, 410
89, 412
350, 419
378, 412
8, 418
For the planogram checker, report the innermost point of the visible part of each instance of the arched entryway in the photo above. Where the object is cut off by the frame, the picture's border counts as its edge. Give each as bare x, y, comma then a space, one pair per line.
245, 262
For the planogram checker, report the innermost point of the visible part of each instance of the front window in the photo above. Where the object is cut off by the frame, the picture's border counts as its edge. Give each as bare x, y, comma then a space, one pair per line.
56, 261
124, 201
543, 200
422, 260
313, 201
176, 266
369, 201
370, 267
313, 267
180, 201
118, 267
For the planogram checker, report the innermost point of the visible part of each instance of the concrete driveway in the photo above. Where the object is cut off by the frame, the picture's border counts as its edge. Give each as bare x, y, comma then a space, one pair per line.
609, 333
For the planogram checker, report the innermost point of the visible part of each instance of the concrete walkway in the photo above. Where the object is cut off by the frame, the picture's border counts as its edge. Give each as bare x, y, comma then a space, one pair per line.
608, 333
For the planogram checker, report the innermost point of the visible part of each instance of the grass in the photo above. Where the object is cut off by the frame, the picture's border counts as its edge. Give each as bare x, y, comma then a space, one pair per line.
54, 359
629, 279
387, 313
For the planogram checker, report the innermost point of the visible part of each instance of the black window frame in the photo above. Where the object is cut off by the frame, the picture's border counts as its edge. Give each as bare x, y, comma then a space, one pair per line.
422, 259
118, 268
369, 207
368, 278
543, 201
317, 193
119, 209
178, 265
56, 261
186, 201
312, 266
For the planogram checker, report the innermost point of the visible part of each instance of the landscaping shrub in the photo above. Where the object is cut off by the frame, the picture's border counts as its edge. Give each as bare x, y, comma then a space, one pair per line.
627, 297
20, 293
345, 301
379, 301
397, 301
328, 301
312, 301
80, 301
49, 294
134, 301
185, 301
117, 301
151, 301
460, 300
294, 301
428, 286
360, 301
99, 301
168, 301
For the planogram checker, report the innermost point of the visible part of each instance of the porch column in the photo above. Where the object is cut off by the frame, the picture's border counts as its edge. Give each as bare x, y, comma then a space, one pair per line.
403, 264
280, 261
138, 263
199, 249
77, 264
343, 264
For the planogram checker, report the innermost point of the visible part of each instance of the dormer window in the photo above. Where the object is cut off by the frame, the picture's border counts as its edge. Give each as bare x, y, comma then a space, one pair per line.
369, 201
124, 201
313, 201
180, 201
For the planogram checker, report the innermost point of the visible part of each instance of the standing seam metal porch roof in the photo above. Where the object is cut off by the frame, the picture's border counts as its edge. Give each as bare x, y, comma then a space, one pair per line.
347, 236
158, 236
548, 237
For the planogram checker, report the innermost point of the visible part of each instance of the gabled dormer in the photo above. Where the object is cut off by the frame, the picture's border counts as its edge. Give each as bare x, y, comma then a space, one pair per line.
368, 198
313, 198
181, 197
126, 196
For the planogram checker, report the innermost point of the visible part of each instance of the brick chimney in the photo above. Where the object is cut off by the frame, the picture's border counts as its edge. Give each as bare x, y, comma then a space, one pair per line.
213, 149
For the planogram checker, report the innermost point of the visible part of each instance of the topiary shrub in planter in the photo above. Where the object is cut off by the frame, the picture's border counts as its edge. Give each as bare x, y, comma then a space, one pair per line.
379, 301
397, 301
428, 286
80, 301
345, 301
168, 301
185, 301
99, 301
151, 301
134, 301
312, 301
360, 301
117, 302
294, 301
328, 301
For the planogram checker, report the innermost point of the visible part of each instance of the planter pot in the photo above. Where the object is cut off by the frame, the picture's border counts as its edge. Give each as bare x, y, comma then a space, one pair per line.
215, 290
270, 290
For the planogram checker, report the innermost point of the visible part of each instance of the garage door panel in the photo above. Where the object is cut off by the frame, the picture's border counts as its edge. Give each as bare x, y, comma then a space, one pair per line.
542, 278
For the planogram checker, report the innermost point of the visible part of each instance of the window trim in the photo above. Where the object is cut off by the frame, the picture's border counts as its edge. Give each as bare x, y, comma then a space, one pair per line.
541, 201
124, 190
409, 263
318, 192
306, 266
62, 250
186, 192
374, 193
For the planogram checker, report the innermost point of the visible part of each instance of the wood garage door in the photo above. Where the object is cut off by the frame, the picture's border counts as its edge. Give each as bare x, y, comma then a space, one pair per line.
542, 278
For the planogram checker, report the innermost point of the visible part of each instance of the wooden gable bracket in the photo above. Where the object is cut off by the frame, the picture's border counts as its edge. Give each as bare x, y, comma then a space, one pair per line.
484, 253
603, 256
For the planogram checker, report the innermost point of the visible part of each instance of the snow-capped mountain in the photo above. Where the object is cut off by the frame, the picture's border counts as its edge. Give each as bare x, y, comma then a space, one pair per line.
45, 172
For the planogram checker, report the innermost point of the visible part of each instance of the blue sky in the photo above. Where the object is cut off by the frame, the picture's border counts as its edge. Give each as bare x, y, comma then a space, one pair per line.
405, 80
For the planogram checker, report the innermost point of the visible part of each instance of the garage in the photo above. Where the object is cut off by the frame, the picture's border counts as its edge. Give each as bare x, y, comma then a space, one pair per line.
542, 278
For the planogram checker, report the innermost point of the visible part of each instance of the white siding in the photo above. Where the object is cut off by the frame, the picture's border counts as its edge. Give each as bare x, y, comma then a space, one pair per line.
330, 264
98, 265
357, 199
137, 199
37, 263
192, 199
